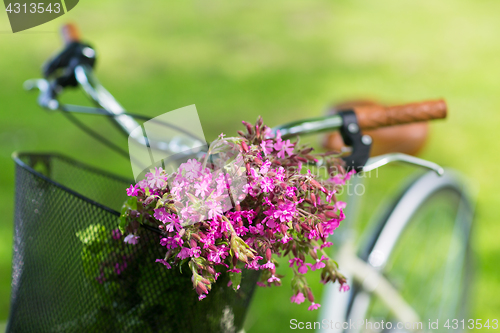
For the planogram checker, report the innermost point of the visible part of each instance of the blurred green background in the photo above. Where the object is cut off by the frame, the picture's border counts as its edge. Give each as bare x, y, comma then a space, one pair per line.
284, 60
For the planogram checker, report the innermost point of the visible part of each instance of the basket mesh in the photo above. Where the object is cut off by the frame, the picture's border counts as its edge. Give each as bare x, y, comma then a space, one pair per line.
70, 275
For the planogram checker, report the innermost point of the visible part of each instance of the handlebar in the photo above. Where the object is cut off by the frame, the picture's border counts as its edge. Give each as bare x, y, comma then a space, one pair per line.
375, 116
370, 117
81, 70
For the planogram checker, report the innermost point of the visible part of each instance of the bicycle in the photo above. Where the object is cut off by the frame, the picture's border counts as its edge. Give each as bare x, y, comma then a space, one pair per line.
44, 178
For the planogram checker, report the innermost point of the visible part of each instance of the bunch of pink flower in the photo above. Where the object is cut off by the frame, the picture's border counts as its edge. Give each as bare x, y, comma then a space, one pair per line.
246, 202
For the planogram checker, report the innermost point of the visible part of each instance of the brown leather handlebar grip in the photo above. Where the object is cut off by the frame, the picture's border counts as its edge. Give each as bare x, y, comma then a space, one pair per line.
70, 33
375, 116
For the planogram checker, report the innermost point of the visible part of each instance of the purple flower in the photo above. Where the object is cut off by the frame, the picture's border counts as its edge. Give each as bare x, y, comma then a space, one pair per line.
202, 296
314, 306
131, 239
299, 298
234, 270
164, 262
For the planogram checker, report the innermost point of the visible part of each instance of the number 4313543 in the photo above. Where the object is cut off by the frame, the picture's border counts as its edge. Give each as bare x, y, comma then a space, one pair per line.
471, 324
33, 8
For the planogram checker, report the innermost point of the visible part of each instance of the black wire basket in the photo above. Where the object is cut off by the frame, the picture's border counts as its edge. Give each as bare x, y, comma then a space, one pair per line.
72, 272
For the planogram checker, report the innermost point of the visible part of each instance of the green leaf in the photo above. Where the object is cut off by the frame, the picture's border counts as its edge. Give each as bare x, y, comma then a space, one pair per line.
132, 203
123, 224
235, 279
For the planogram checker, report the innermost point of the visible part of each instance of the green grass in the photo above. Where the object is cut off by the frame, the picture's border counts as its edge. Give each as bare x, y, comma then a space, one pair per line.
283, 60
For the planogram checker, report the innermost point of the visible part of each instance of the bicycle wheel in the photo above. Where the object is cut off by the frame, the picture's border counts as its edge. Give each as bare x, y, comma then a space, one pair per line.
422, 247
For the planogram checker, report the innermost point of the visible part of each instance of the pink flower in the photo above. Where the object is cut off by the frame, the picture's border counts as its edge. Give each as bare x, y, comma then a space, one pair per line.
261, 284
132, 191
184, 253
273, 278
299, 298
131, 239
267, 185
344, 287
285, 212
254, 264
330, 226
215, 209
290, 191
267, 146
164, 262
280, 174
191, 168
265, 167
326, 244
268, 265
234, 270
202, 296
203, 187
195, 252
286, 238
319, 263
218, 255
296, 261
156, 180
257, 230
303, 268
284, 147
340, 205
314, 306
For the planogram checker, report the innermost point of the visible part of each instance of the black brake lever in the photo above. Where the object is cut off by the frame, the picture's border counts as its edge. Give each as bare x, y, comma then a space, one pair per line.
352, 136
